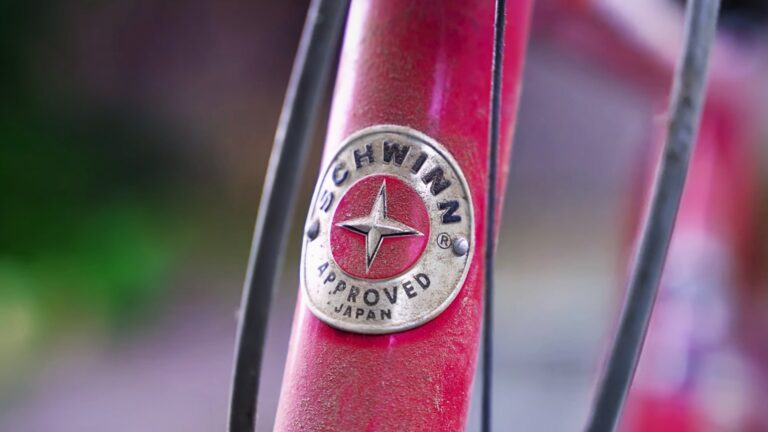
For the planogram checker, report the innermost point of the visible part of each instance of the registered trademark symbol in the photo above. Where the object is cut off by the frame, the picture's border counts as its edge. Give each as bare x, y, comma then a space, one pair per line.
444, 240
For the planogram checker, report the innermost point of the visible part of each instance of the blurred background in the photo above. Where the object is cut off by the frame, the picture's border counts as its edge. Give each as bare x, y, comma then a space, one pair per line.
134, 141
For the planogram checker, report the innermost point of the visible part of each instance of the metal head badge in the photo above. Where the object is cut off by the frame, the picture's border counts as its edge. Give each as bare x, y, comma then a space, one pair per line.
390, 233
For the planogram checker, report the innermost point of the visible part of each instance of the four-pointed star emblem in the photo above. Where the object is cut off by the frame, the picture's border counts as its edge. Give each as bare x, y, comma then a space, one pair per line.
377, 226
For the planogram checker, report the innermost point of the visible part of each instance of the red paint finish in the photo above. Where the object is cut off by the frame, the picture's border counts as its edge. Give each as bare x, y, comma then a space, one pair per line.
425, 65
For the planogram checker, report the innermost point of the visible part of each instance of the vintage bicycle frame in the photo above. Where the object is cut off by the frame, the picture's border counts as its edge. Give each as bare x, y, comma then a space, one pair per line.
427, 66
432, 69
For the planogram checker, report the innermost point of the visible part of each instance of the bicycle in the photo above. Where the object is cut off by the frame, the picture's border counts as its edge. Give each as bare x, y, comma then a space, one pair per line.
398, 246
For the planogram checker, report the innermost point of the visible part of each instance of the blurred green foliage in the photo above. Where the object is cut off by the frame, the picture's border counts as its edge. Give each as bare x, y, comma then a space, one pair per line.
83, 212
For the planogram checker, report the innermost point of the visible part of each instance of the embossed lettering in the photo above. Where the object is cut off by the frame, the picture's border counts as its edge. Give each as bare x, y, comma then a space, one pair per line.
394, 149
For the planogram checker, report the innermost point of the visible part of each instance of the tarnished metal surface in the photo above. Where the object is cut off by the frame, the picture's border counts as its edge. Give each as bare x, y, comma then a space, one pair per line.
389, 208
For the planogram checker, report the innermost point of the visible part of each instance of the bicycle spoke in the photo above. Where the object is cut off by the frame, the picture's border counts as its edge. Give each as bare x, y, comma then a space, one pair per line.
490, 223
688, 92
308, 81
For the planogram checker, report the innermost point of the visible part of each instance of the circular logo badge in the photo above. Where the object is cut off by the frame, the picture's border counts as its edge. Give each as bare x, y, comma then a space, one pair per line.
389, 235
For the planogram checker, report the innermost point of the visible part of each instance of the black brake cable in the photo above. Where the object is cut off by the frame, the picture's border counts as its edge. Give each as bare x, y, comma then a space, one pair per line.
494, 135
687, 99
306, 88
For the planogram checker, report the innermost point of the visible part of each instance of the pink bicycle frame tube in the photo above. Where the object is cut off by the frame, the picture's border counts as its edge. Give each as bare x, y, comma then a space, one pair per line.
425, 65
